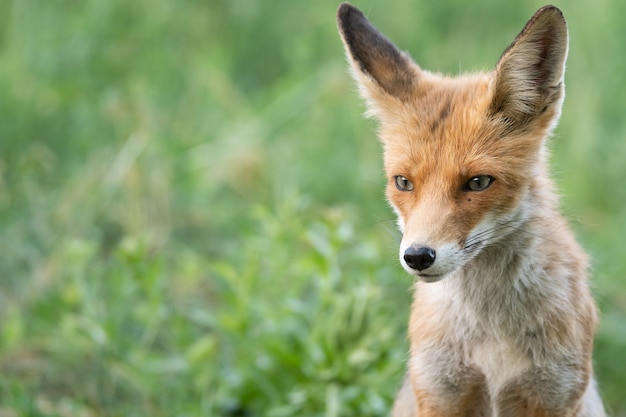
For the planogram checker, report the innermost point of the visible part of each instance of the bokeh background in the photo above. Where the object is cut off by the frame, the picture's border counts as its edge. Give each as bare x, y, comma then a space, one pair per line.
191, 204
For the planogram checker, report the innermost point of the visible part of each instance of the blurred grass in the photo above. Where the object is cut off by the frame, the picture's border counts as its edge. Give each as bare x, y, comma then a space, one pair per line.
191, 203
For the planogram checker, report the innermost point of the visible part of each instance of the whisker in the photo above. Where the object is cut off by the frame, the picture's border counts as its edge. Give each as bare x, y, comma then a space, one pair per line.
529, 233
393, 232
485, 235
515, 224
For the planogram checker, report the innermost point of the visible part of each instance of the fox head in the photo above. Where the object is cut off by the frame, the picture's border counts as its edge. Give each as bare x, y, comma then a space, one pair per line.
464, 156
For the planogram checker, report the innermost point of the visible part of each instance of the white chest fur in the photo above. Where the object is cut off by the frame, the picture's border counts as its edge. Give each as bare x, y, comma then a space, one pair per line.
475, 342
499, 361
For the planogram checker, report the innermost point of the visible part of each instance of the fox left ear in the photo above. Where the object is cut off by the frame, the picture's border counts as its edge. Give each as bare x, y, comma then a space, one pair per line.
381, 69
529, 75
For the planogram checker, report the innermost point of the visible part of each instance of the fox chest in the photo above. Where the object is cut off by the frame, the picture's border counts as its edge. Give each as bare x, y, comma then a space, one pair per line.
475, 373
452, 343
500, 362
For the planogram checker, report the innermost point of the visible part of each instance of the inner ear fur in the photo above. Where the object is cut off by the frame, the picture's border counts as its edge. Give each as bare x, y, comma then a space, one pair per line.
373, 55
529, 75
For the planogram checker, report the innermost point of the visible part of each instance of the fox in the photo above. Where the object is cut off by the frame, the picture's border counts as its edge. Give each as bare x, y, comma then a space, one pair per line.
502, 321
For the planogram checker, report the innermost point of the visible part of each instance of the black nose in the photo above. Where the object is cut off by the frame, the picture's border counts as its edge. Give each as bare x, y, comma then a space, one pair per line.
419, 258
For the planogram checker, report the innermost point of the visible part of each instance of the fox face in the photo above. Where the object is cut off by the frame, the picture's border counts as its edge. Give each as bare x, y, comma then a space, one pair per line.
463, 154
455, 178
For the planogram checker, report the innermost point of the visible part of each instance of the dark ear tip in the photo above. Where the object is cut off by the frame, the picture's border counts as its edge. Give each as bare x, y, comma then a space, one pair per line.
550, 8
345, 12
345, 8
550, 11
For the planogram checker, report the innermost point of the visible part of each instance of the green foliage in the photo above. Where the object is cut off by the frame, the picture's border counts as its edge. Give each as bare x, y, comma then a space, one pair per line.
191, 203
296, 331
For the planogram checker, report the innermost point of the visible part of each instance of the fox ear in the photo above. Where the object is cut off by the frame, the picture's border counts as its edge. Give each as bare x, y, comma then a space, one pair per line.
529, 75
379, 66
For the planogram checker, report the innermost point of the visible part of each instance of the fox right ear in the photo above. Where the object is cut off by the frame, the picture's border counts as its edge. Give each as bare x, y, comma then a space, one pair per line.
529, 75
379, 66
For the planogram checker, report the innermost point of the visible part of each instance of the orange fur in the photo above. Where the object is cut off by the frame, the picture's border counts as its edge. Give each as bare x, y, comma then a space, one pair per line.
502, 321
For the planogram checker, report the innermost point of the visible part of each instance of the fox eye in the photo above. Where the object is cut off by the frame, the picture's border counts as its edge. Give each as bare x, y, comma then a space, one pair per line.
403, 183
478, 183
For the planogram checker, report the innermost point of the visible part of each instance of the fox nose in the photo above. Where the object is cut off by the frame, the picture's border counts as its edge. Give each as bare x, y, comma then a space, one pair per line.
419, 258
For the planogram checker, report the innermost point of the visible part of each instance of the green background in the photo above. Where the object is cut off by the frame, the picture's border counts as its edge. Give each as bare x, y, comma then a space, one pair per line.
191, 203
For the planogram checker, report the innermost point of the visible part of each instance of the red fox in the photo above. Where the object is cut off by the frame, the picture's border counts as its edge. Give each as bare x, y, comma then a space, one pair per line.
503, 321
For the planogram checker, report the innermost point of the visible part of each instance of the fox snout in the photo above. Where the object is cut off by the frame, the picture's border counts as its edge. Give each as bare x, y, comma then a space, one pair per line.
430, 255
419, 258
430, 263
